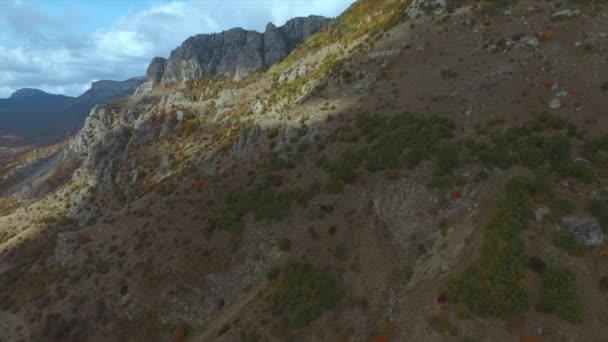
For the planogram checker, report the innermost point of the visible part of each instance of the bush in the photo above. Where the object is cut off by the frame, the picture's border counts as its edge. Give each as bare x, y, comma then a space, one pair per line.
559, 294
443, 325
249, 335
560, 207
599, 209
537, 264
567, 241
495, 285
284, 244
303, 293
390, 143
264, 202
190, 126
404, 274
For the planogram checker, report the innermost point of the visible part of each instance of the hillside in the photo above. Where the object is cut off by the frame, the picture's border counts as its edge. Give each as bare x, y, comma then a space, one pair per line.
414, 171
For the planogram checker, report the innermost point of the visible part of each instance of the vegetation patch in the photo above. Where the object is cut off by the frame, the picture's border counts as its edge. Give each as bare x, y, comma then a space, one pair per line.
599, 209
264, 202
567, 241
496, 285
7, 206
559, 295
391, 143
443, 325
303, 293
364, 17
540, 143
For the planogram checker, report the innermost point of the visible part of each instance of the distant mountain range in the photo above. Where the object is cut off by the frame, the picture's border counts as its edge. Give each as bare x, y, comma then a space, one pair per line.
32, 116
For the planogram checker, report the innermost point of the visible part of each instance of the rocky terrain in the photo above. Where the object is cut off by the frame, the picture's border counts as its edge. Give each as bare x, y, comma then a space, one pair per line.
413, 171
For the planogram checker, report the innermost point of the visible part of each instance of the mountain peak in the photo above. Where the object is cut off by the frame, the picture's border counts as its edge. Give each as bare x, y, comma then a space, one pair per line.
237, 51
27, 92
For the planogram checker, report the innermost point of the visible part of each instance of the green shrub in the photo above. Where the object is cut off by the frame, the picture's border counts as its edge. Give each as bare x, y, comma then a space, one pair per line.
303, 292
599, 209
120, 196
391, 142
567, 241
537, 264
190, 126
264, 202
560, 207
249, 335
443, 325
559, 294
403, 275
284, 244
495, 285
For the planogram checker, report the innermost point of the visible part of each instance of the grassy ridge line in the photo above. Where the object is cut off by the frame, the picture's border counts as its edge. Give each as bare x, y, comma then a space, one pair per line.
362, 17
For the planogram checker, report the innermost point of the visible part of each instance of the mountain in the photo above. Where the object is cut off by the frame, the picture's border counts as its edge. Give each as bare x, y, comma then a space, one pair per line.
104, 91
415, 171
39, 117
237, 52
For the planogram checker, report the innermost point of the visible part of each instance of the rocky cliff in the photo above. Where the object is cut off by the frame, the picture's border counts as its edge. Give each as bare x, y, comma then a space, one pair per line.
235, 52
104, 91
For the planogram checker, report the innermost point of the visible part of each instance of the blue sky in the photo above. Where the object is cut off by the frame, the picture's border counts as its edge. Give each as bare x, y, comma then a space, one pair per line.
61, 46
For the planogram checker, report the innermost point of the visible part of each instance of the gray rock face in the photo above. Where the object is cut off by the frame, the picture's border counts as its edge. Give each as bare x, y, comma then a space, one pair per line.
587, 230
156, 69
237, 51
104, 91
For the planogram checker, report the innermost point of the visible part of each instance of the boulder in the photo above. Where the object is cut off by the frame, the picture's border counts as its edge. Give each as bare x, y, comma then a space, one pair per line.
567, 13
587, 230
541, 212
226, 98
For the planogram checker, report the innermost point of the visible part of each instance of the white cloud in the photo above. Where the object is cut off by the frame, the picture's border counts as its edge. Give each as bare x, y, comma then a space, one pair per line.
51, 54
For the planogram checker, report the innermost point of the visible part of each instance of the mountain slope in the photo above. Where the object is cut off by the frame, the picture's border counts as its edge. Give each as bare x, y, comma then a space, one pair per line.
411, 183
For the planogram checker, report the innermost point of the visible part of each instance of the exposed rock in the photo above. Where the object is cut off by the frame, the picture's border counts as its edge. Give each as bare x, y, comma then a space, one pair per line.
180, 116
226, 98
104, 91
156, 69
567, 13
365, 81
237, 51
420, 8
165, 164
587, 230
311, 89
541, 212
555, 104
531, 41
65, 247
248, 138
144, 88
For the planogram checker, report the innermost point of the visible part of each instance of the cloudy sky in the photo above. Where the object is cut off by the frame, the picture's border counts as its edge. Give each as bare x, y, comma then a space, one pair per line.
61, 46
